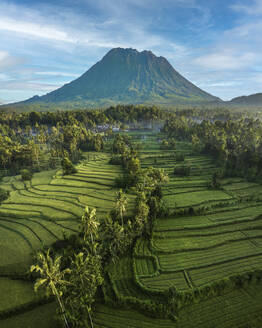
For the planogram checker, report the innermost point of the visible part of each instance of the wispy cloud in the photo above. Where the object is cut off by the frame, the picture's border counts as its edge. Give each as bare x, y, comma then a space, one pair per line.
72, 36
225, 61
7, 61
57, 74
45, 45
253, 8
220, 84
28, 85
34, 30
118, 26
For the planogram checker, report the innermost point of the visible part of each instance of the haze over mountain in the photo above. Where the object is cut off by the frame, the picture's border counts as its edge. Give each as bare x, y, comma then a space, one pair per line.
127, 76
251, 100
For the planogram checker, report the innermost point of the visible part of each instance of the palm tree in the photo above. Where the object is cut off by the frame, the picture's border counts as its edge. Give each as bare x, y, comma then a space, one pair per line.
121, 202
114, 238
89, 224
141, 217
51, 277
85, 278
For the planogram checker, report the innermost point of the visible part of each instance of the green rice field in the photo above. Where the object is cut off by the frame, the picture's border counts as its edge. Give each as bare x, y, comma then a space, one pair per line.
188, 250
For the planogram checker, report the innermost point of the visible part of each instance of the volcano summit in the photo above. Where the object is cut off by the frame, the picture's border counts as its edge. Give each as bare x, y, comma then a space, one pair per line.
125, 76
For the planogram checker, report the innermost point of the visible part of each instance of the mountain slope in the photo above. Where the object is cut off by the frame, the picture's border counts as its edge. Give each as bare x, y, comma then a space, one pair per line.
251, 100
128, 76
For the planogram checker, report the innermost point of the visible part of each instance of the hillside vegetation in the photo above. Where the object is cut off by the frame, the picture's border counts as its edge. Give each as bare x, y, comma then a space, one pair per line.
251, 100
189, 234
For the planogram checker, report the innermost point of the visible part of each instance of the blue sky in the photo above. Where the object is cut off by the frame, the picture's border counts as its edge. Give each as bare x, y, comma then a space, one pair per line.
216, 44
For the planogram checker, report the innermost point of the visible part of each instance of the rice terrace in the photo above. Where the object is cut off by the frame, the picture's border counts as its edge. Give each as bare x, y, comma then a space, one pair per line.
186, 250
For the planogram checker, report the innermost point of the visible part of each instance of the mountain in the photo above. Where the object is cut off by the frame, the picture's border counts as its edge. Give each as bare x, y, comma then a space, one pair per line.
128, 76
251, 100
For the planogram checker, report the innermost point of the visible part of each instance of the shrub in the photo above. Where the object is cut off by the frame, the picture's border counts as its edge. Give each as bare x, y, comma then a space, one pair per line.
125, 181
157, 192
182, 170
116, 160
179, 157
4, 194
215, 183
26, 175
67, 166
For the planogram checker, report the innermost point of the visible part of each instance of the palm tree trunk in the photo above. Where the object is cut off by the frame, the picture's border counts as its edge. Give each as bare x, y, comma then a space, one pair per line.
90, 319
62, 308
121, 214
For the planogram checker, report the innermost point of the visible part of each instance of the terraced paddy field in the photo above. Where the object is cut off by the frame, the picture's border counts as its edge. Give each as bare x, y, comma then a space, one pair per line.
39, 212
238, 309
232, 310
187, 251
193, 251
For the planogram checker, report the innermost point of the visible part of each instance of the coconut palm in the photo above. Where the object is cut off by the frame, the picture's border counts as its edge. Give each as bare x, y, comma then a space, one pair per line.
121, 202
85, 278
114, 238
141, 217
51, 277
89, 224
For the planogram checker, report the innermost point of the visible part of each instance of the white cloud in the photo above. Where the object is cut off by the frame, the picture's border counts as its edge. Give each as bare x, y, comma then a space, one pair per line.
220, 84
118, 23
57, 74
81, 33
7, 61
28, 85
225, 61
34, 30
67, 41
254, 8
3, 76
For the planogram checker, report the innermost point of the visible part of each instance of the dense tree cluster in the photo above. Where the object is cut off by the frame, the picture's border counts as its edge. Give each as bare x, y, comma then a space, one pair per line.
74, 276
39, 140
136, 114
90, 118
236, 144
43, 147
146, 183
125, 153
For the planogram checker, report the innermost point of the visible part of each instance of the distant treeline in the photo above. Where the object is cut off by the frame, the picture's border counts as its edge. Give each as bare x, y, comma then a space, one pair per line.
91, 118
40, 140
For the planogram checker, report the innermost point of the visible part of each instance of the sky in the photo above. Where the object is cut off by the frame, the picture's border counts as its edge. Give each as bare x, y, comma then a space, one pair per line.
216, 44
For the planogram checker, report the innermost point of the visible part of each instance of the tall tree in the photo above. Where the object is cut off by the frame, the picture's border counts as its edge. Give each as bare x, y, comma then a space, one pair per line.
85, 277
114, 238
142, 211
52, 278
121, 202
89, 224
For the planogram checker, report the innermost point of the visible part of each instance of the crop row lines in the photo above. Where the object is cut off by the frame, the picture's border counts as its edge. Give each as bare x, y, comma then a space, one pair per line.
212, 264
208, 226
245, 238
